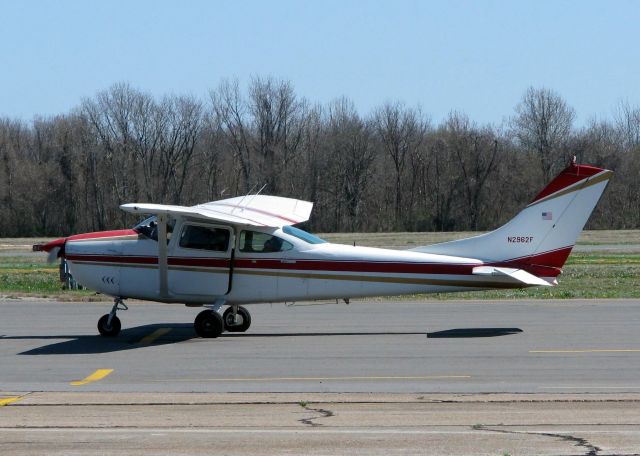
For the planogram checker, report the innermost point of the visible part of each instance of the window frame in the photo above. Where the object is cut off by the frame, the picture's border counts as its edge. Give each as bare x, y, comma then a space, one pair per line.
186, 224
291, 246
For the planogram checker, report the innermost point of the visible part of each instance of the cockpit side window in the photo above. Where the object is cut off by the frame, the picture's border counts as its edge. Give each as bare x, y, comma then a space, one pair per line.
149, 228
257, 242
204, 238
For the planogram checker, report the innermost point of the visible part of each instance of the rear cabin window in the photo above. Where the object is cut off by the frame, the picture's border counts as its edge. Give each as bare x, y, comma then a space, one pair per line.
254, 241
204, 238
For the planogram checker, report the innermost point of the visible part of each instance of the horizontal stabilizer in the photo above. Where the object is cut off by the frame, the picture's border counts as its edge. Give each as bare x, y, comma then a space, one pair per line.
519, 275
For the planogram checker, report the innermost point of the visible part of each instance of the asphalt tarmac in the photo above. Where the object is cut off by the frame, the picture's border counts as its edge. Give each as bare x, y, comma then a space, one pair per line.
428, 377
384, 346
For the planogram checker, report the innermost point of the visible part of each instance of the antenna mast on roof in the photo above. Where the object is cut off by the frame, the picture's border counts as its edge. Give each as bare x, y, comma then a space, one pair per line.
261, 188
248, 194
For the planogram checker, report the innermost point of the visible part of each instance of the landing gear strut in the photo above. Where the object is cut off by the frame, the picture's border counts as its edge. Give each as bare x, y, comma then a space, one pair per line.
109, 324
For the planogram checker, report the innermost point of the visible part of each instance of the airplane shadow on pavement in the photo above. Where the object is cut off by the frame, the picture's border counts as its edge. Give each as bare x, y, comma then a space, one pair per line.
473, 332
142, 336
129, 339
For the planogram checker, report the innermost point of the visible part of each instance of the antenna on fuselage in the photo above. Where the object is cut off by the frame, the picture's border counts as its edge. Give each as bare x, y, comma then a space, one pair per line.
253, 196
248, 194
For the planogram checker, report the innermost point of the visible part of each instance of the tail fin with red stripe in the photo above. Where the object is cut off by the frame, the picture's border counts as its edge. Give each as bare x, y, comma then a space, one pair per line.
541, 236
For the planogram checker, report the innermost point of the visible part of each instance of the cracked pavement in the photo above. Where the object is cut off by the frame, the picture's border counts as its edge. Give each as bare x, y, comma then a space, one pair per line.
430, 424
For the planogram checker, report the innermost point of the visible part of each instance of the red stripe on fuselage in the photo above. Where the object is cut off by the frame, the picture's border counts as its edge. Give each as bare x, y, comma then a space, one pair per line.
102, 234
84, 237
135, 260
533, 264
547, 264
260, 211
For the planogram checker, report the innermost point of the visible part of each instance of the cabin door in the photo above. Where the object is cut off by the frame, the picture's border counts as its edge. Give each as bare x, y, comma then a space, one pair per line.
200, 260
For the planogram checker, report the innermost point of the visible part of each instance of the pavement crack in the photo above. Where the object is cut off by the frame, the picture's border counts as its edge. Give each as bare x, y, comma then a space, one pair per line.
591, 449
321, 413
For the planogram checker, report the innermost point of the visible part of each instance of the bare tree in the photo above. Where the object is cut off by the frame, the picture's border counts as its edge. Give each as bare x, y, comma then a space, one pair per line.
230, 110
627, 122
475, 152
278, 123
401, 131
543, 125
350, 156
386, 170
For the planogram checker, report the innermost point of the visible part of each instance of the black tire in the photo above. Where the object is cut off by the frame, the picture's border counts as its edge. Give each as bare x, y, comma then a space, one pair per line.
208, 323
106, 330
244, 324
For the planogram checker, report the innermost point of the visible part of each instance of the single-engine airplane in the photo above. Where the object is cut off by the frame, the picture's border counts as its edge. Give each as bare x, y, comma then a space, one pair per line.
243, 250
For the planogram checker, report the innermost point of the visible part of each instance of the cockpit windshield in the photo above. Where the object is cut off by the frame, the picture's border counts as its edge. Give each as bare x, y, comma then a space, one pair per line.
303, 235
149, 228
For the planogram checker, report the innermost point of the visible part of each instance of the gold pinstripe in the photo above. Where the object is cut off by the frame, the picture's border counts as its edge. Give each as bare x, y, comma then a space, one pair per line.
606, 175
381, 279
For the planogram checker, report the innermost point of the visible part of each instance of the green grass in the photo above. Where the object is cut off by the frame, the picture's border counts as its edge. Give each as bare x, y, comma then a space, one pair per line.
586, 274
32, 276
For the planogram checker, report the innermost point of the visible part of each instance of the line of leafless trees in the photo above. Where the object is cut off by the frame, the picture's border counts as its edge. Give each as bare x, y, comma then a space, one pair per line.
393, 169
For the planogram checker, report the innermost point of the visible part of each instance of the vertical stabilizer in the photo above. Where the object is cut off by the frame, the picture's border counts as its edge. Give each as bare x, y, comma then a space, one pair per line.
545, 231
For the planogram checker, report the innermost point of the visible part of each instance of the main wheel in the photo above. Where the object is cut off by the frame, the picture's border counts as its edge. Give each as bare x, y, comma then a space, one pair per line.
107, 330
244, 318
208, 323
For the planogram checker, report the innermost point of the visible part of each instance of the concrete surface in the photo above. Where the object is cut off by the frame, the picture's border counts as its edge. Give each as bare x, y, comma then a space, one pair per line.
441, 378
241, 423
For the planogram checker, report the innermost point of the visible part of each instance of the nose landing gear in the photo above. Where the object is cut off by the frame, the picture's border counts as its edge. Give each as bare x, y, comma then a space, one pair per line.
109, 324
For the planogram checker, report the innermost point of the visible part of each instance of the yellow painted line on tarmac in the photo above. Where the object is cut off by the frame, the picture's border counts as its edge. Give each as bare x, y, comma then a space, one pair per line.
277, 379
8, 400
604, 350
97, 375
146, 340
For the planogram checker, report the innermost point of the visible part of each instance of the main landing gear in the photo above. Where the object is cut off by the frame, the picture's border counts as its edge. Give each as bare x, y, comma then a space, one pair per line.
209, 323
109, 324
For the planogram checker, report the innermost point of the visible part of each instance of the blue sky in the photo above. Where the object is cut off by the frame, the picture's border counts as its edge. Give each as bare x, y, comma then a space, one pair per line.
474, 56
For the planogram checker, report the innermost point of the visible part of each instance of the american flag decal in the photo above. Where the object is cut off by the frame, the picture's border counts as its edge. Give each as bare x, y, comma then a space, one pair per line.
547, 215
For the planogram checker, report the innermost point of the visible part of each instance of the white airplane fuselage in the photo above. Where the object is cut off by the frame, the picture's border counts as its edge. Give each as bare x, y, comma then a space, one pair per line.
125, 264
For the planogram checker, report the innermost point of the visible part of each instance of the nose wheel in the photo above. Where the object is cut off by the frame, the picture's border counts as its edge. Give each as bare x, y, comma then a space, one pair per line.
109, 324
107, 329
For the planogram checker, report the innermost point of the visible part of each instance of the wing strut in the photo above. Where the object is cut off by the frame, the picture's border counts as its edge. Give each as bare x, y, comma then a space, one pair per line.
162, 254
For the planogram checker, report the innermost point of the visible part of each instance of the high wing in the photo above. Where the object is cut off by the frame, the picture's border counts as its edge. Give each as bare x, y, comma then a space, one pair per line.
255, 210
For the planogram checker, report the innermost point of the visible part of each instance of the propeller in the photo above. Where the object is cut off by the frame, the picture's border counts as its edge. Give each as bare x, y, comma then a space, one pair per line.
53, 255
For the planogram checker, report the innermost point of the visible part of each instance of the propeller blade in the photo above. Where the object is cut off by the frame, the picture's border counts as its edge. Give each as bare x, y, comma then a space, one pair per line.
53, 255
